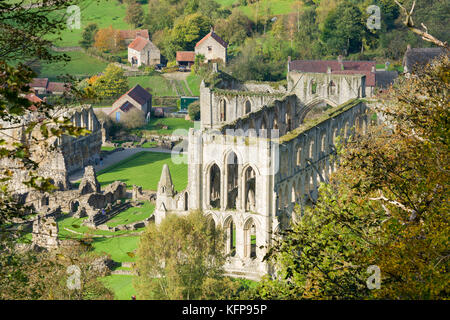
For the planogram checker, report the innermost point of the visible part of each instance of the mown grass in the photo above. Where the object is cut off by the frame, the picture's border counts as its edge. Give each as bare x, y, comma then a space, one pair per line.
159, 85
275, 7
80, 65
104, 13
132, 214
156, 125
121, 285
194, 82
144, 169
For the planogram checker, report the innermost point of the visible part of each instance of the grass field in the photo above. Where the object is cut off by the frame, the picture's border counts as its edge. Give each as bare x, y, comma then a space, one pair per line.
104, 13
144, 169
194, 83
159, 86
155, 126
119, 248
132, 214
121, 285
81, 64
276, 7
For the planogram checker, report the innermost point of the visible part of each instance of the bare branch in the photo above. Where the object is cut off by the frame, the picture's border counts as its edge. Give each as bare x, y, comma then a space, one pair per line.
409, 23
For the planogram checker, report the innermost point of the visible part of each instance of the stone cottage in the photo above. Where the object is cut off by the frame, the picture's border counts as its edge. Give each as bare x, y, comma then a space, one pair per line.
137, 97
143, 52
212, 47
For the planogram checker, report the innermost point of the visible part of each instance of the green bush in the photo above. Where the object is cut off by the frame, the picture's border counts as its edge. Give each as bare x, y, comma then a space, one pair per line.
194, 110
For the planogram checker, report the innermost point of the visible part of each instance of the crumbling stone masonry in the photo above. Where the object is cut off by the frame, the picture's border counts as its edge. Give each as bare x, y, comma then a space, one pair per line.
258, 153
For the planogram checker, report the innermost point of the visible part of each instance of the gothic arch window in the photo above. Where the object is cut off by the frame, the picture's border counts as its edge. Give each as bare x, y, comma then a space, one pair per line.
288, 118
323, 142
223, 110
313, 87
311, 150
230, 233
232, 180
248, 106
214, 186
332, 87
250, 239
250, 189
299, 156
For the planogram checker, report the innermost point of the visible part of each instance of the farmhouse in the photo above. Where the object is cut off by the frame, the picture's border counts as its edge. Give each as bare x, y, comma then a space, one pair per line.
143, 52
137, 97
39, 85
185, 58
43, 86
212, 47
129, 35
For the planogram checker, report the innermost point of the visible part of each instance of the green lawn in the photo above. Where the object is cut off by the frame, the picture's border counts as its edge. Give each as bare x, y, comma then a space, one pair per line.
107, 148
159, 85
144, 169
74, 224
121, 285
80, 65
155, 126
132, 214
119, 248
104, 13
275, 6
194, 82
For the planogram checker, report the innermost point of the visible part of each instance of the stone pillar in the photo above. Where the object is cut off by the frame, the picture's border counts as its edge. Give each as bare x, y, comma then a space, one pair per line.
240, 240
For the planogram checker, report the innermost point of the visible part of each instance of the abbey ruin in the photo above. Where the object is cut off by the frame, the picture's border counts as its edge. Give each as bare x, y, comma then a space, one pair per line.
61, 155
261, 149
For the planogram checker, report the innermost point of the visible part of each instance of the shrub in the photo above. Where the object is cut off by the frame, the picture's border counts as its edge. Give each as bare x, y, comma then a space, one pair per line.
194, 110
134, 118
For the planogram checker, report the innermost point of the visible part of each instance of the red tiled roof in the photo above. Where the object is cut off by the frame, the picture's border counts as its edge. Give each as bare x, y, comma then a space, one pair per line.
33, 98
186, 56
39, 82
215, 37
137, 93
56, 87
350, 67
133, 34
139, 43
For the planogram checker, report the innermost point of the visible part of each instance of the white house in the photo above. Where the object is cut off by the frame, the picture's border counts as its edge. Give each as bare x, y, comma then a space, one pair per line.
212, 47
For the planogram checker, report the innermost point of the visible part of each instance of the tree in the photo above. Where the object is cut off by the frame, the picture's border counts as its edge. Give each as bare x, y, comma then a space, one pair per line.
108, 39
182, 258
194, 111
111, 84
234, 29
386, 206
43, 275
343, 30
134, 118
187, 31
135, 14
88, 35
